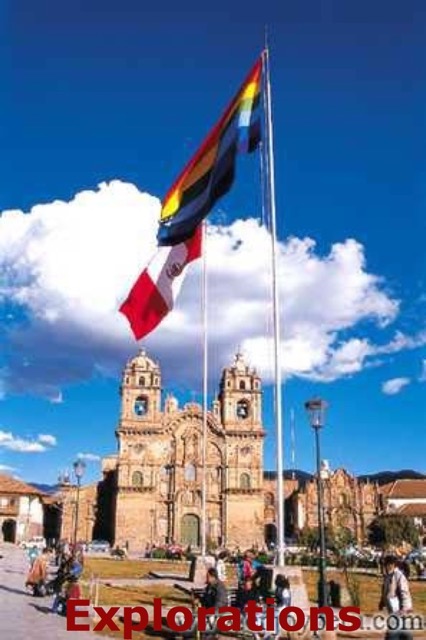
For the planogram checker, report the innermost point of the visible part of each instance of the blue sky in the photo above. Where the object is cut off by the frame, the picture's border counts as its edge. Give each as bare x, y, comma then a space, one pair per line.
102, 91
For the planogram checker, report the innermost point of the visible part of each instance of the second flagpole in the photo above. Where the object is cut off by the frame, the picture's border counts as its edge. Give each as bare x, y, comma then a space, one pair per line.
270, 187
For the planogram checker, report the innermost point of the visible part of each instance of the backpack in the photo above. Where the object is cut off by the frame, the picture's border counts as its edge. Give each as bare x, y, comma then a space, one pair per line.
256, 565
76, 569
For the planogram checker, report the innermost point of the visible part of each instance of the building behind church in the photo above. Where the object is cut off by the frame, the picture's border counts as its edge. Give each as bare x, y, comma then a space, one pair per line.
151, 489
21, 510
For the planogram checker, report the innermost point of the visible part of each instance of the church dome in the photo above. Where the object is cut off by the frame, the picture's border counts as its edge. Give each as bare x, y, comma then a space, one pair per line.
239, 363
142, 362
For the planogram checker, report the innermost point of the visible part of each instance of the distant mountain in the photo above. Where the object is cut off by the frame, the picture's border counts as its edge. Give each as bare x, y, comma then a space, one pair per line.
289, 474
45, 488
383, 477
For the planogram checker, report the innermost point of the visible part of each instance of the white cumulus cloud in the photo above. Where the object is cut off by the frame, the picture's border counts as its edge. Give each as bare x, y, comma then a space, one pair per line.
89, 457
13, 442
6, 468
422, 377
67, 266
45, 438
395, 385
56, 398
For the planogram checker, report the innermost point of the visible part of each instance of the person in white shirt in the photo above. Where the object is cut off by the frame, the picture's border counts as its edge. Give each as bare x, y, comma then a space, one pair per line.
396, 597
221, 566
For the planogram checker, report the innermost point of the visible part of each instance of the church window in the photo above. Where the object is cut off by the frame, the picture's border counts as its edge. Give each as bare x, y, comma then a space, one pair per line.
243, 408
141, 405
137, 479
344, 500
269, 500
242, 385
141, 381
244, 481
190, 472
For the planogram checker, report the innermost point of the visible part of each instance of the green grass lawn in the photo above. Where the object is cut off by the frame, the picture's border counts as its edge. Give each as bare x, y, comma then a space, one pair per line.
111, 568
370, 589
134, 595
138, 595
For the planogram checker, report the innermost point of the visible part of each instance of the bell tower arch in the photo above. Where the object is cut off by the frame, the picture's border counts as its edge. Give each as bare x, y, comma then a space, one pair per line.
240, 396
141, 390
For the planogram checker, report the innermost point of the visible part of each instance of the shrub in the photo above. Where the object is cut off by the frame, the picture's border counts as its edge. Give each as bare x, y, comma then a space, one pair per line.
263, 558
354, 588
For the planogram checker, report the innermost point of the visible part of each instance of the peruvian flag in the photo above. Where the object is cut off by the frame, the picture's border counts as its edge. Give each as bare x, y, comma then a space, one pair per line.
155, 291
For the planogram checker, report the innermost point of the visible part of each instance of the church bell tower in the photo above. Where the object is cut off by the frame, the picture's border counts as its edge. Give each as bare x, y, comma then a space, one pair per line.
141, 391
240, 397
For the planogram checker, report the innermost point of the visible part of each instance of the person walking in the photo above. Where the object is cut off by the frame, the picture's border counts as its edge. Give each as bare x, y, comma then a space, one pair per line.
221, 566
37, 575
248, 570
396, 597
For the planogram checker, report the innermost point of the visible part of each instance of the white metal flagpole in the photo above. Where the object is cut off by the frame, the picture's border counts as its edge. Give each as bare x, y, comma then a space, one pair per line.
270, 187
205, 386
293, 443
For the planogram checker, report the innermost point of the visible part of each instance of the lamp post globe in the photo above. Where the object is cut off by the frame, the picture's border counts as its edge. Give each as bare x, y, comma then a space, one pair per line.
316, 409
79, 469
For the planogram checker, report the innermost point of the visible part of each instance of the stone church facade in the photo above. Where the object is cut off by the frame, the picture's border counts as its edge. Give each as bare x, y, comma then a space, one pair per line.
151, 490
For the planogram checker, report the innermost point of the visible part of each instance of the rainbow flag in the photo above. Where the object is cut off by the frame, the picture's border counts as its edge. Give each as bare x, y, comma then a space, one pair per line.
210, 173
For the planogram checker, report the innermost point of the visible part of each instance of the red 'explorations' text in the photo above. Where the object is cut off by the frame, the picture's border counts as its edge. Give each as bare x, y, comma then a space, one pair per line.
254, 617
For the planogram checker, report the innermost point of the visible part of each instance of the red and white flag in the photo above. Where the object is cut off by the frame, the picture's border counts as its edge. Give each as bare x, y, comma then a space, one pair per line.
155, 291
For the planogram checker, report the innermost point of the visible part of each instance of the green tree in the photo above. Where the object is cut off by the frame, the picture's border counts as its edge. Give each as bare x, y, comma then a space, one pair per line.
308, 537
392, 529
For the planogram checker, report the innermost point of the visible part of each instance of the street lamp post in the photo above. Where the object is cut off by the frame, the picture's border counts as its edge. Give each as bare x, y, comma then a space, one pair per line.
316, 411
79, 468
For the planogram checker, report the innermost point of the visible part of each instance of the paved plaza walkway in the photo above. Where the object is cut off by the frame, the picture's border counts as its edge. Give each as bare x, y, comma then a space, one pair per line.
23, 617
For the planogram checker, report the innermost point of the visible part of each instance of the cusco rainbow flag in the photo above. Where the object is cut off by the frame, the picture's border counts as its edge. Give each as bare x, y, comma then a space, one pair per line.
210, 173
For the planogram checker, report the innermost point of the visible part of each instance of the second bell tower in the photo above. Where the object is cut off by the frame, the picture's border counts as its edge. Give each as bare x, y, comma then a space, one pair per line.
141, 390
240, 397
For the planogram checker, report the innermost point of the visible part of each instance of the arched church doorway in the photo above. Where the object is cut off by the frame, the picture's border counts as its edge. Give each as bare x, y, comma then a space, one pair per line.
270, 534
9, 530
190, 530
